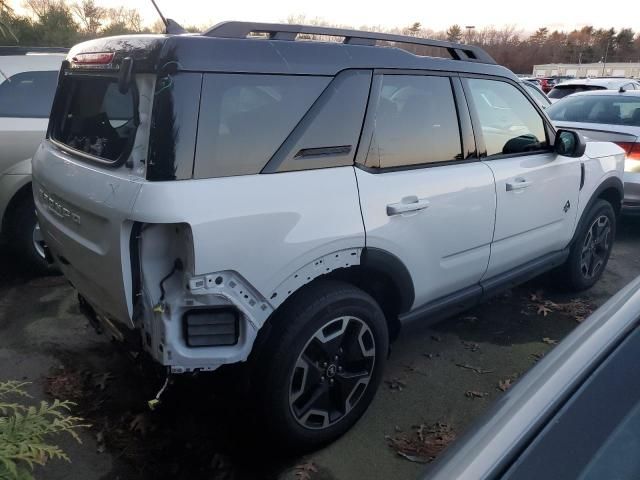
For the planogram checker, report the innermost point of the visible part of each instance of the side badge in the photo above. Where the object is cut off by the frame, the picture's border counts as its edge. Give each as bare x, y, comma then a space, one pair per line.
567, 206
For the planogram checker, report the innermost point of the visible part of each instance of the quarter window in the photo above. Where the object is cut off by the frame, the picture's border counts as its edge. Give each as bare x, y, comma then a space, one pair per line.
28, 94
245, 118
415, 122
508, 121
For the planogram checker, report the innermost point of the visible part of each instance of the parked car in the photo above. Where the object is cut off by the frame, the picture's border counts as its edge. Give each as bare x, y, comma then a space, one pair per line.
538, 95
576, 414
292, 204
28, 79
586, 84
607, 115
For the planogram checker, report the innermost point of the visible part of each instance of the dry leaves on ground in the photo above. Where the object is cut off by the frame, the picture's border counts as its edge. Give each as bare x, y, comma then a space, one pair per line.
477, 370
475, 394
141, 424
65, 385
305, 470
472, 346
577, 308
549, 341
396, 384
507, 383
424, 443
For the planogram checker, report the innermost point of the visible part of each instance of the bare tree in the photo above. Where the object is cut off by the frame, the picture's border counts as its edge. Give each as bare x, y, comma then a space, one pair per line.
89, 15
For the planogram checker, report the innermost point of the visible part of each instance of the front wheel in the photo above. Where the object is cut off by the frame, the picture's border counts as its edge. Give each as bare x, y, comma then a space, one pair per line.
591, 249
321, 365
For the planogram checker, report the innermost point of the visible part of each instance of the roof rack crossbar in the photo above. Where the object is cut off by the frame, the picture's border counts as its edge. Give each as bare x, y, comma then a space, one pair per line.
283, 31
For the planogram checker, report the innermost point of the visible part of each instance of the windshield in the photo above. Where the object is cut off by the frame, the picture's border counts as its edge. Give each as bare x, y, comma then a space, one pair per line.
93, 117
561, 91
608, 109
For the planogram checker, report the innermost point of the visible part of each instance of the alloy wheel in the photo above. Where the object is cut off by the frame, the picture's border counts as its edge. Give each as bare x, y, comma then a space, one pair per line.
595, 247
332, 372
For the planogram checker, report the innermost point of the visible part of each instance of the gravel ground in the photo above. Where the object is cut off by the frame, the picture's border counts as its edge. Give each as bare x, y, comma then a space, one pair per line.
444, 375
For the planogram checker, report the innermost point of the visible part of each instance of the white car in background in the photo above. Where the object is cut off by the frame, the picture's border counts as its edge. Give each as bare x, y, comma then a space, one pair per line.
28, 79
607, 115
569, 87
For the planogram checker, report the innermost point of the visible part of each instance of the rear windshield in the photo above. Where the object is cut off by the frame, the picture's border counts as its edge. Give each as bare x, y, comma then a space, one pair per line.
561, 91
93, 117
607, 109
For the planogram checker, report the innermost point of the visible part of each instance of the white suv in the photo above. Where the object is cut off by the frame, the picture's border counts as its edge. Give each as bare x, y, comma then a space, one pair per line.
28, 79
288, 205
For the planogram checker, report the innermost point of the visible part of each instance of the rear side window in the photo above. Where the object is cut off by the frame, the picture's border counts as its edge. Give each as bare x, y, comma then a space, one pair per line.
562, 91
93, 117
415, 122
28, 94
245, 118
510, 124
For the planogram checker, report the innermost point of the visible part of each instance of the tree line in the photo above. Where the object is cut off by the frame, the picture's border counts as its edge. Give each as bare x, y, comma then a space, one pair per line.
66, 22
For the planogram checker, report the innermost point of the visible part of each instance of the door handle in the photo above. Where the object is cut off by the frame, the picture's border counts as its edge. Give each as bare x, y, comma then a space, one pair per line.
518, 184
407, 204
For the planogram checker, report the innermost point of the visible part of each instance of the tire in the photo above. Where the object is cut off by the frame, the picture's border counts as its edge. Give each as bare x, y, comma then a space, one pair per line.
24, 234
591, 248
330, 341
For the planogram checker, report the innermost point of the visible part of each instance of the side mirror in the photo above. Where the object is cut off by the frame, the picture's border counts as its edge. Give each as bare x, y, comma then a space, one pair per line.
126, 73
569, 143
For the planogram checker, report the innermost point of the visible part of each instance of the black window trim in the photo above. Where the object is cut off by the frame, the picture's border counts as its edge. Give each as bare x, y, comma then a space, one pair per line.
57, 106
465, 129
30, 116
475, 119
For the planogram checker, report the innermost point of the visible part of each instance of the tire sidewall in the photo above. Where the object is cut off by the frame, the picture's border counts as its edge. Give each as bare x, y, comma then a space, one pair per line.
279, 358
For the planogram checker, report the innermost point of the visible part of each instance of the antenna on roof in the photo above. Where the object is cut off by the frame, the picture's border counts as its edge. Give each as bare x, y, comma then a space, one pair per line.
170, 26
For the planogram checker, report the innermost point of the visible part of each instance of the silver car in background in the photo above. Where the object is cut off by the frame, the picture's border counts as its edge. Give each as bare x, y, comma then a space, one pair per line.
576, 414
569, 87
607, 115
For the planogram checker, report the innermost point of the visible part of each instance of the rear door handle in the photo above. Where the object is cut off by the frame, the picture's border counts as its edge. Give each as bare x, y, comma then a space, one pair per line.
406, 205
518, 184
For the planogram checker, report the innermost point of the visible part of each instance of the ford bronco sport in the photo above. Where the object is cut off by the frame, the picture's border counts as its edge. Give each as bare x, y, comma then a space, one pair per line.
241, 195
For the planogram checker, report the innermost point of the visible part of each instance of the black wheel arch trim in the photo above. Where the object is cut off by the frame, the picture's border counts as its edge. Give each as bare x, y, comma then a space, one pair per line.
611, 182
389, 264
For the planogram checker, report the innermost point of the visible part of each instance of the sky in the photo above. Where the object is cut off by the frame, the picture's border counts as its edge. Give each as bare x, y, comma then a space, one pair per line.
528, 16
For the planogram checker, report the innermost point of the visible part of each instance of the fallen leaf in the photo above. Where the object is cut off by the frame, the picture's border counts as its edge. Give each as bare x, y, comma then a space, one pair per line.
396, 384
100, 445
549, 341
475, 369
543, 310
537, 356
475, 394
100, 380
140, 424
436, 338
474, 347
536, 296
424, 443
505, 384
305, 470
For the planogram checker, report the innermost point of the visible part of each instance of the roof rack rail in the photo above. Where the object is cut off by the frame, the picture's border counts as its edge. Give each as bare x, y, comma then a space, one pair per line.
21, 50
283, 31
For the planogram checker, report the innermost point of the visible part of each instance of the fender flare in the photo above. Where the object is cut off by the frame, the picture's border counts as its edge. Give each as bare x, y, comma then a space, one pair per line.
388, 264
611, 182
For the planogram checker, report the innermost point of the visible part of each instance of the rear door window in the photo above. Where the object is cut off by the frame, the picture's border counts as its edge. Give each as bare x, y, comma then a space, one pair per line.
28, 94
93, 117
415, 122
245, 118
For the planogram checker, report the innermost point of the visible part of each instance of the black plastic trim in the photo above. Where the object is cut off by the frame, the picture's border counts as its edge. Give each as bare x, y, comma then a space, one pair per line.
389, 264
233, 310
470, 296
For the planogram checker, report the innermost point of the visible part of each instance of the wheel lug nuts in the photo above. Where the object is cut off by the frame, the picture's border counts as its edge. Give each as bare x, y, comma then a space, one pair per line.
331, 381
324, 364
322, 378
339, 369
336, 357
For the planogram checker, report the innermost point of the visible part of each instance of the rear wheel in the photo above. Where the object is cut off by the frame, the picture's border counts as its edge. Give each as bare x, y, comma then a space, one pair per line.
321, 365
24, 233
591, 249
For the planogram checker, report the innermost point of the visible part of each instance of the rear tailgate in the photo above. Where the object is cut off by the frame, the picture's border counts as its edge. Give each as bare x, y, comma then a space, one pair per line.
84, 211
